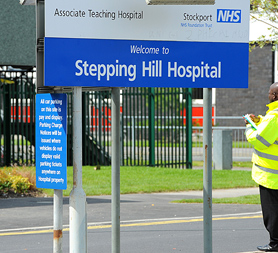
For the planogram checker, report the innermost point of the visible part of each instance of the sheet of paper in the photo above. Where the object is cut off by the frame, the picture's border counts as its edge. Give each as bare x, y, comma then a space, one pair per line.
247, 117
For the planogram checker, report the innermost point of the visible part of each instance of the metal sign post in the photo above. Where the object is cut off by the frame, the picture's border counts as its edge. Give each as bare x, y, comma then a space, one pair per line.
207, 173
58, 194
116, 155
58, 221
78, 220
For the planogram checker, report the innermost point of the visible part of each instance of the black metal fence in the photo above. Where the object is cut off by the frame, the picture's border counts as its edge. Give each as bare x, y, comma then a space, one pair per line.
153, 124
154, 131
17, 122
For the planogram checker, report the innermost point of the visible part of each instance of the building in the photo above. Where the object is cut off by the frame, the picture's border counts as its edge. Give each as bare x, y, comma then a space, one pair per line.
262, 73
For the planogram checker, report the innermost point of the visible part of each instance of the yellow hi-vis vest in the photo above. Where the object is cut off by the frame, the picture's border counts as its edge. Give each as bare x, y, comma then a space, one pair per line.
265, 142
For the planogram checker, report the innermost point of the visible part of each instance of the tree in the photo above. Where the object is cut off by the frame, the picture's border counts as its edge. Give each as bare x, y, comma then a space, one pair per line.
265, 11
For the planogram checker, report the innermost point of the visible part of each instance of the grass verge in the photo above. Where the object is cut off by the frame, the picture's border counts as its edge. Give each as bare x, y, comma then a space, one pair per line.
142, 179
249, 199
138, 179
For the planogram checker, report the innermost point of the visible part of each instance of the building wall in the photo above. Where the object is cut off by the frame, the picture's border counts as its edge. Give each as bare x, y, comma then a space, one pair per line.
236, 102
17, 34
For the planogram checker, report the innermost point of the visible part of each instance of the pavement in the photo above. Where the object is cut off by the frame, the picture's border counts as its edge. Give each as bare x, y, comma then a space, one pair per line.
221, 193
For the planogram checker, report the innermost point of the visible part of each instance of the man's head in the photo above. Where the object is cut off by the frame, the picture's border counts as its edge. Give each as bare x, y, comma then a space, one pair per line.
273, 92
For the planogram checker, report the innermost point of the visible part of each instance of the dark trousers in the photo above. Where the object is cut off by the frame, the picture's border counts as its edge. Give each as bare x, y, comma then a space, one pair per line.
269, 203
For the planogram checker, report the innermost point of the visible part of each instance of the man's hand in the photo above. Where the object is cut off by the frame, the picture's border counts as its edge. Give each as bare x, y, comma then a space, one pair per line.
254, 118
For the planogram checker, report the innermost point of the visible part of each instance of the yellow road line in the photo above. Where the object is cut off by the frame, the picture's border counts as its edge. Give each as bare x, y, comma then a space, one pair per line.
133, 225
28, 232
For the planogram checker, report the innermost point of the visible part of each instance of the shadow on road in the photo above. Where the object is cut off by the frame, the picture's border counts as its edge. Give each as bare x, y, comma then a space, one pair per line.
31, 202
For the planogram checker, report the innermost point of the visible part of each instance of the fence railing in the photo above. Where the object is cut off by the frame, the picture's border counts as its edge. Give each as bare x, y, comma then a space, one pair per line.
242, 150
173, 154
17, 121
168, 116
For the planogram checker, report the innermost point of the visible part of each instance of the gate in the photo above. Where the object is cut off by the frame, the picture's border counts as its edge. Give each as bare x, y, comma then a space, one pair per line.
153, 124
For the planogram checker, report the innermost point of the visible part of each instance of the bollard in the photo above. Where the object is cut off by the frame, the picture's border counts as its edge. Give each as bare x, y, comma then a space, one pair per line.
222, 149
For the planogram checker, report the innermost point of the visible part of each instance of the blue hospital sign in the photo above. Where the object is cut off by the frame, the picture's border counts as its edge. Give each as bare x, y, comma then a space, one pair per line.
135, 45
51, 141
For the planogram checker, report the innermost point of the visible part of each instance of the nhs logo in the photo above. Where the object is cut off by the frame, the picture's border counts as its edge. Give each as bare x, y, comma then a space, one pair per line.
228, 16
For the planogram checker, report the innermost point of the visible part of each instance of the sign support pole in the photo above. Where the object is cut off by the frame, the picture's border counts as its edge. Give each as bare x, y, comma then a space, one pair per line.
78, 219
207, 173
116, 158
58, 221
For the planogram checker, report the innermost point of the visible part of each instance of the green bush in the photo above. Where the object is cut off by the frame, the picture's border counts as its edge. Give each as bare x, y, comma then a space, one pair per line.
20, 184
5, 184
12, 180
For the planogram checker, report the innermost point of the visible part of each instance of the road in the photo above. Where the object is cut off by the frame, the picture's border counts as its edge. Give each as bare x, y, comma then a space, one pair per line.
149, 223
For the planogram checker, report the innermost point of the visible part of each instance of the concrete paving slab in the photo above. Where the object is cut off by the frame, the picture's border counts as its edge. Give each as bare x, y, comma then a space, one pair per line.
221, 193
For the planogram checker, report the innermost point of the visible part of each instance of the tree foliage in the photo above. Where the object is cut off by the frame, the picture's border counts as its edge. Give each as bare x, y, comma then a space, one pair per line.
265, 11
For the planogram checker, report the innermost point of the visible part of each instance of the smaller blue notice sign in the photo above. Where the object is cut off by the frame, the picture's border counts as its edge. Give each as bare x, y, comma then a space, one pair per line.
51, 141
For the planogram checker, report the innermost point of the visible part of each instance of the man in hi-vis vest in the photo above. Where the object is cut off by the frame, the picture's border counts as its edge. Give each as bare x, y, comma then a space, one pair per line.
264, 137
